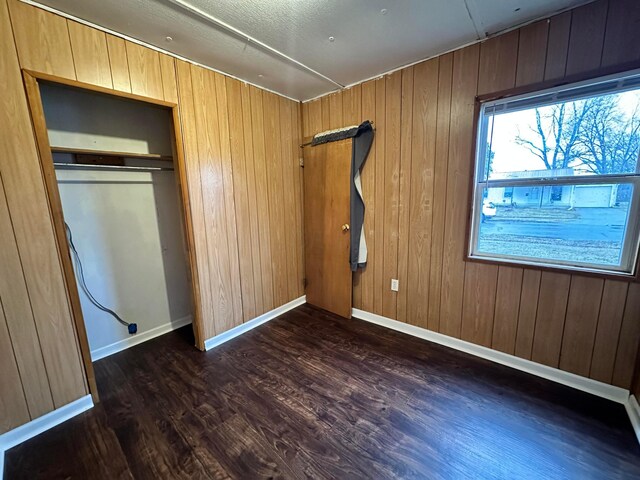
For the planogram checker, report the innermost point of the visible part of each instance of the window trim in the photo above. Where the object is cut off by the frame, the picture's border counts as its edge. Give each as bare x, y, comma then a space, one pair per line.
630, 256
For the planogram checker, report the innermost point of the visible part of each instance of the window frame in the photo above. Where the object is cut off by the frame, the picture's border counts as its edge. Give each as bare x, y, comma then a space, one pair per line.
615, 83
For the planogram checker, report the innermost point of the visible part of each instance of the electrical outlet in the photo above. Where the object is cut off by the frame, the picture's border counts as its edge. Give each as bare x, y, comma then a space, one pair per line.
395, 284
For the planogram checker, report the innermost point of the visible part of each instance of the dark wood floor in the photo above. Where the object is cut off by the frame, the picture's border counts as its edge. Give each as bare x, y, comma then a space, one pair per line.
311, 395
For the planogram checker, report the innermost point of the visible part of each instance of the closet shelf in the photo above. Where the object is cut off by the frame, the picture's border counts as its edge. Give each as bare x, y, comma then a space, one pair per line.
82, 166
149, 156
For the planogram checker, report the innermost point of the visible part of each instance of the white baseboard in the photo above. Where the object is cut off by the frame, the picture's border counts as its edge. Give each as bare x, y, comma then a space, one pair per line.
610, 392
138, 338
633, 410
251, 324
41, 424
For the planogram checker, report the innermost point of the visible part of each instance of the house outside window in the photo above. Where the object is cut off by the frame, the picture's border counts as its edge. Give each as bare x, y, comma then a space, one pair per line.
557, 178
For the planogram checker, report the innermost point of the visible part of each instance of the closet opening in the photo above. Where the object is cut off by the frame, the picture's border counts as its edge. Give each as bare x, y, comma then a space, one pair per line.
116, 184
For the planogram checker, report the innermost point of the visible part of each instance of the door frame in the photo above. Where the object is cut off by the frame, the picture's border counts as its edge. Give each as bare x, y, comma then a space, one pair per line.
32, 81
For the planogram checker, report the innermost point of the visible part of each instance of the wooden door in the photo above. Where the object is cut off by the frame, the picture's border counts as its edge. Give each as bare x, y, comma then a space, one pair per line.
326, 220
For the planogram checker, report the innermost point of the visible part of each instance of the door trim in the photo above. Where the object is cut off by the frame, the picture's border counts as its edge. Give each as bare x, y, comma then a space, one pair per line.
32, 87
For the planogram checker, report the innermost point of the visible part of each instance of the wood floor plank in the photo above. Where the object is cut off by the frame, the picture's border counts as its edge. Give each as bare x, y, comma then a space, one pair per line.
352, 400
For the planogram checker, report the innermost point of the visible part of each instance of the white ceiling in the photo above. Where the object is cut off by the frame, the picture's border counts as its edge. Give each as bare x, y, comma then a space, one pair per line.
284, 45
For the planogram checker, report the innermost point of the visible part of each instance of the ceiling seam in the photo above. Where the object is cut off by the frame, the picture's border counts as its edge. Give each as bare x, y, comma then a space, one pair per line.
249, 39
473, 21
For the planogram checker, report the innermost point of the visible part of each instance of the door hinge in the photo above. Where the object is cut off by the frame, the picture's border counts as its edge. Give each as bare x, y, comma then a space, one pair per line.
301, 161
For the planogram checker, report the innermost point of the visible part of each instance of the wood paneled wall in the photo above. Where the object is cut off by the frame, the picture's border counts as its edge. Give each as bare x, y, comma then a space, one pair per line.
245, 189
416, 189
241, 154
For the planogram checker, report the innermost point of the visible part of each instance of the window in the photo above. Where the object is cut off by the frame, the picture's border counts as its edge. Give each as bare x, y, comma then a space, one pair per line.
557, 177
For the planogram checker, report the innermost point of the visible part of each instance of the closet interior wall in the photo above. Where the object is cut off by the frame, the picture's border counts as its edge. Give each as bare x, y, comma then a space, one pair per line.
126, 224
416, 189
243, 199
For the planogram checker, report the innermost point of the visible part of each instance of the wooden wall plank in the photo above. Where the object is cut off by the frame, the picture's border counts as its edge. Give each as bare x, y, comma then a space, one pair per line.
552, 309
445, 73
168, 75
90, 55
629, 339
289, 198
557, 46
324, 116
119, 63
367, 278
587, 37
296, 142
464, 84
13, 405
614, 298
20, 321
377, 259
623, 18
479, 303
404, 194
241, 197
580, 324
144, 71
229, 202
532, 53
421, 185
262, 196
211, 177
392, 131
42, 40
528, 313
505, 324
247, 122
29, 211
196, 202
273, 151
297, 181
498, 59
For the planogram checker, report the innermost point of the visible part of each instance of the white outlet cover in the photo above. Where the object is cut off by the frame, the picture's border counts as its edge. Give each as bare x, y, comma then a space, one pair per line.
395, 284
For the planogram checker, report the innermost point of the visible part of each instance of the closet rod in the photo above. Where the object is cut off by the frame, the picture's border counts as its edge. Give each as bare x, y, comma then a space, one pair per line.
78, 166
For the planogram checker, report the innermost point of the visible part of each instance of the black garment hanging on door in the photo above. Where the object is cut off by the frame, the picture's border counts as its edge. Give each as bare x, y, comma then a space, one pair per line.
360, 150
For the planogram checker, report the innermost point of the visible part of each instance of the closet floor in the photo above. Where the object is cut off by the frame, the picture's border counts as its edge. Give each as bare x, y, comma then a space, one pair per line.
312, 395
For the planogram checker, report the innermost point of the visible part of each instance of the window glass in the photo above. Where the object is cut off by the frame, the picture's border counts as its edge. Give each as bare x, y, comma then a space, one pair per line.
557, 177
576, 224
594, 136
